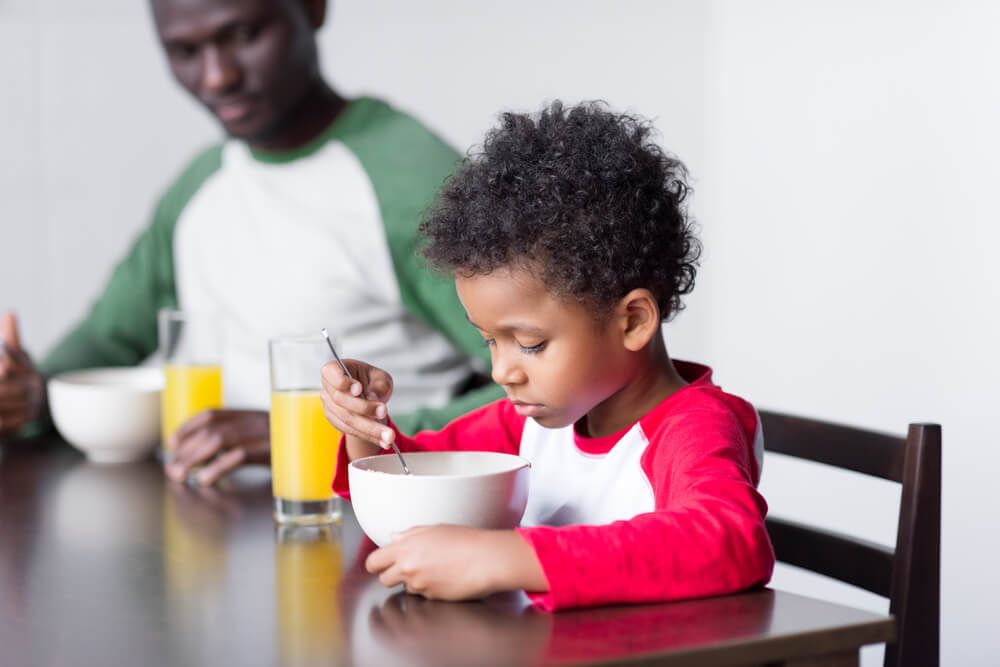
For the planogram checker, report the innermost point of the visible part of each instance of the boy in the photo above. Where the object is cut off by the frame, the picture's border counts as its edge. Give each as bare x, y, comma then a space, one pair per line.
570, 246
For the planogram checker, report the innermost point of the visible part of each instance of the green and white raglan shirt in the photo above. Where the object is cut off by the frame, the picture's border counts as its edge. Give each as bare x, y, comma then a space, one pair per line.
285, 244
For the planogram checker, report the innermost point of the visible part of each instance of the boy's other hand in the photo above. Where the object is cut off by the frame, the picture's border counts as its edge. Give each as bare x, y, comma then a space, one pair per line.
22, 387
358, 407
448, 562
226, 439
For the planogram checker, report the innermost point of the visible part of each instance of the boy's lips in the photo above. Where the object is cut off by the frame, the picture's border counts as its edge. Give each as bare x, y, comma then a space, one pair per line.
528, 409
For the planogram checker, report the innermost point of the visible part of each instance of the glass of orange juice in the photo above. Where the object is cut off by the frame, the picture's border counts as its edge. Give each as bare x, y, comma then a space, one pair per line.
191, 347
304, 444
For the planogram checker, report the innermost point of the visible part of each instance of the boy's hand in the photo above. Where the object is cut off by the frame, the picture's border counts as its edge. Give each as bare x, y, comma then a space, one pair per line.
456, 563
357, 408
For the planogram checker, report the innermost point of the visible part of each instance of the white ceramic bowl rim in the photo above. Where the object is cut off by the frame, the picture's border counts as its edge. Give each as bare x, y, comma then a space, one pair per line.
114, 379
516, 463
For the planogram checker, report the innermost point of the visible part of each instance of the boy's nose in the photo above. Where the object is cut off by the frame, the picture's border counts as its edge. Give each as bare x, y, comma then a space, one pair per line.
505, 373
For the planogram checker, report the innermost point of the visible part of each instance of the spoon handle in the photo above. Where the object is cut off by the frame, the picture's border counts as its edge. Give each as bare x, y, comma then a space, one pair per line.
335, 355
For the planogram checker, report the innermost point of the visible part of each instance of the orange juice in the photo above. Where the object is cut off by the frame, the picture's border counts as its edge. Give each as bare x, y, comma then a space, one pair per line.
303, 446
187, 390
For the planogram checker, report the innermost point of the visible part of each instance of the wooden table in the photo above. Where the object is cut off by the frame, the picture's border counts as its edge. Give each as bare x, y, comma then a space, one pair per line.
112, 565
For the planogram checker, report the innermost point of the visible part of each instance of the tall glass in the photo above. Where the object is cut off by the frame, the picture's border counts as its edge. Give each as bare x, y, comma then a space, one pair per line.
304, 444
191, 348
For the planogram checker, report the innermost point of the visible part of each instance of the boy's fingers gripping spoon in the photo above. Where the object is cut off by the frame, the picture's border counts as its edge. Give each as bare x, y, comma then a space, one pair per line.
348, 374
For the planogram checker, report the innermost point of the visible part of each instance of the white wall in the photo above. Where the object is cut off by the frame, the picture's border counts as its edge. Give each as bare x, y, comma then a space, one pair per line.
842, 155
847, 205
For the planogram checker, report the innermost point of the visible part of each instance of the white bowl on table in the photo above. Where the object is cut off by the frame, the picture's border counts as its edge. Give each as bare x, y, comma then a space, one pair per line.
110, 414
474, 489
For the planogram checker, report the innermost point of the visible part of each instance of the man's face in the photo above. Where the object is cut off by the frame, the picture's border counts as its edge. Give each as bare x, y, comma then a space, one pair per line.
554, 360
248, 61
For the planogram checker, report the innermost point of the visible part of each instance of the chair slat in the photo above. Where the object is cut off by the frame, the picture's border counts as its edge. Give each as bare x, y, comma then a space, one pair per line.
867, 452
848, 559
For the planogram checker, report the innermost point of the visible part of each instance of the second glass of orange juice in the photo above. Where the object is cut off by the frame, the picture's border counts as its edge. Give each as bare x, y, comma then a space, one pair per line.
304, 444
191, 347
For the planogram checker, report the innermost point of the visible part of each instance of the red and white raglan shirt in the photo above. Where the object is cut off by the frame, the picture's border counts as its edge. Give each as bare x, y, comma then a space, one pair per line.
665, 509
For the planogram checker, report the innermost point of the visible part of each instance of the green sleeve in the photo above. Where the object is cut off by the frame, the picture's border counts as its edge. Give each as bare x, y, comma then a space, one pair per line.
120, 329
407, 165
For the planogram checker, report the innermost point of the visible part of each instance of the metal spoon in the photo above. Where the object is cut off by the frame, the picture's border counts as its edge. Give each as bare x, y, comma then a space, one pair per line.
348, 374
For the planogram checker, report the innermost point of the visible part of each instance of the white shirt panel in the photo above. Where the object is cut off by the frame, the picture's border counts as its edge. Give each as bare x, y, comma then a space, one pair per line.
569, 486
286, 249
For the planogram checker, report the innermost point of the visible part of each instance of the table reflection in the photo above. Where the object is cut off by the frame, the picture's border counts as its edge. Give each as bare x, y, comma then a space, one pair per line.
604, 633
90, 572
105, 509
195, 522
196, 560
389, 627
307, 567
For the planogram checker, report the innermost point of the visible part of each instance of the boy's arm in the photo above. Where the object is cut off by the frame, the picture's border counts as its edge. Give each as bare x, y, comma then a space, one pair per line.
494, 427
705, 537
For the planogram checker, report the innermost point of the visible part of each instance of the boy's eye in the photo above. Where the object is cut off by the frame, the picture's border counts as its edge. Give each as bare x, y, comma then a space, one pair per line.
532, 349
489, 342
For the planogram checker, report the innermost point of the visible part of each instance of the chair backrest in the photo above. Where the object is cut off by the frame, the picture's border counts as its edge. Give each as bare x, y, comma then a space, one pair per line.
910, 574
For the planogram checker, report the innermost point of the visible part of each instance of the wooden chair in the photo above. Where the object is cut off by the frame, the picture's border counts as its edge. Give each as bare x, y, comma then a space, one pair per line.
910, 574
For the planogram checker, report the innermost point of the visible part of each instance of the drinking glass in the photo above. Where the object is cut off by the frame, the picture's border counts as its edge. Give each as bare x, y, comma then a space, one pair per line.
304, 444
191, 348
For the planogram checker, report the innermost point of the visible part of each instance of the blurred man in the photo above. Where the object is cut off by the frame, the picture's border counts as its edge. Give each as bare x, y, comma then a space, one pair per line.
304, 217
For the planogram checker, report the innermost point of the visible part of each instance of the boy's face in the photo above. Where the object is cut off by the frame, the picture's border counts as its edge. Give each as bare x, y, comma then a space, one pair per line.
248, 61
553, 359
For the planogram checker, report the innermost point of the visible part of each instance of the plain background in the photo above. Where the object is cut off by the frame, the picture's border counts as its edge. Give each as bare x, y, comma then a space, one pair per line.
844, 157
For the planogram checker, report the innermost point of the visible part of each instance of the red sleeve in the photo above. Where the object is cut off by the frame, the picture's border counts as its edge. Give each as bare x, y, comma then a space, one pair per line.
494, 427
706, 535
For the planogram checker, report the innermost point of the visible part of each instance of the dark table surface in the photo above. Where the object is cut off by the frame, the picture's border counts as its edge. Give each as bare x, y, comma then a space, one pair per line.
113, 565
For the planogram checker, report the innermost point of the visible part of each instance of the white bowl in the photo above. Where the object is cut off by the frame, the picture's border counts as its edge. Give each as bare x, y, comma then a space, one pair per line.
111, 414
475, 489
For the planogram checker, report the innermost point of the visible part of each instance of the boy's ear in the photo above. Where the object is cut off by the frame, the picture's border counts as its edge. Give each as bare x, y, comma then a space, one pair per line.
639, 317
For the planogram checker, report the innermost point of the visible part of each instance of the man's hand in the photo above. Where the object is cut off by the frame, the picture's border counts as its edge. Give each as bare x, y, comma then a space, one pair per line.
456, 563
22, 387
224, 439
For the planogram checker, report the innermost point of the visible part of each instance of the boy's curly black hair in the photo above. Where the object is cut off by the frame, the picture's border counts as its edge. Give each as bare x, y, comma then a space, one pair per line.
581, 194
